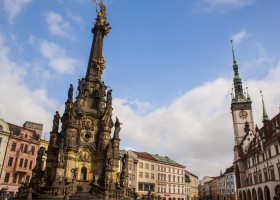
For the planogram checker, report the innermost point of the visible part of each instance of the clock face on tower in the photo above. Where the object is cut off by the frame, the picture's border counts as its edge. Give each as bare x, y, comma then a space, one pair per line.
243, 114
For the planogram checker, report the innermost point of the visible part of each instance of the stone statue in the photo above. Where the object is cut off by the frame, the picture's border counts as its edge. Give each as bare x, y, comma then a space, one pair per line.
109, 157
102, 89
100, 64
74, 173
117, 128
109, 97
123, 172
61, 152
82, 85
39, 159
70, 93
95, 176
56, 118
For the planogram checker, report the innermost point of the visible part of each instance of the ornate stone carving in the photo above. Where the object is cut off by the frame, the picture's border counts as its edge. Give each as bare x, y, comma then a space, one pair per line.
82, 86
71, 138
117, 128
85, 155
109, 157
100, 64
61, 152
124, 170
74, 173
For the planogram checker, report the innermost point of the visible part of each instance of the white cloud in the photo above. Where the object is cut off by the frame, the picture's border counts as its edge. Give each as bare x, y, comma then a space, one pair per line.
196, 129
18, 103
57, 25
238, 37
13, 7
56, 55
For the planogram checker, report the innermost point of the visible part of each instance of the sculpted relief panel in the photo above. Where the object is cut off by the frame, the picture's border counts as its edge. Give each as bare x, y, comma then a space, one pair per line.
85, 155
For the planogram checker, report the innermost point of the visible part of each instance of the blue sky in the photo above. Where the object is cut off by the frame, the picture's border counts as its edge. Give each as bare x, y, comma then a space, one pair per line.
169, 64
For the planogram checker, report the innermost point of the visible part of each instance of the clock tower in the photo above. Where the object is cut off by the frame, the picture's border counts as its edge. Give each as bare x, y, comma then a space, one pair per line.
242, 115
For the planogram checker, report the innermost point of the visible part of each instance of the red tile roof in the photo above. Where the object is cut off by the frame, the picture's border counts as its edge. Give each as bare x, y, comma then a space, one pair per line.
144, 155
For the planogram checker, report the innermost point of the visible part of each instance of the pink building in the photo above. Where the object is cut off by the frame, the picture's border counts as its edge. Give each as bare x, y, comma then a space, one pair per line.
20, 158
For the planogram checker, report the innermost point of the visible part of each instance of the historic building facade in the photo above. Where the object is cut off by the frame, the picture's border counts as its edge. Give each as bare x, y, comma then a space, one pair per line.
20, 158
194, 182
256, 151
146, 173
4, 139
170, 178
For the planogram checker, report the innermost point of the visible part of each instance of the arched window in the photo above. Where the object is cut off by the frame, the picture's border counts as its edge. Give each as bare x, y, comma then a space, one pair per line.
1, 127
84, 173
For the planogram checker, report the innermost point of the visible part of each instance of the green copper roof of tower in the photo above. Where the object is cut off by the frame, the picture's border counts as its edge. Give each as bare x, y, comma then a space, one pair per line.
238, 96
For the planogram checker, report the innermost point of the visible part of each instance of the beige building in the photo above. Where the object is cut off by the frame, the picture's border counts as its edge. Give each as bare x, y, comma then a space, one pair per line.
193, 185
4, 139
146, 173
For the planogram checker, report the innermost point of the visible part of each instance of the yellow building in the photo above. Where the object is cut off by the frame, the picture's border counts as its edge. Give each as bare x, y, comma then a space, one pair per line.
146, 173
193, 185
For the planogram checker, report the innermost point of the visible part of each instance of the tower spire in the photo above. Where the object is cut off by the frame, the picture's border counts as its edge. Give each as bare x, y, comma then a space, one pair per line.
265, 115
96, 63
236, 80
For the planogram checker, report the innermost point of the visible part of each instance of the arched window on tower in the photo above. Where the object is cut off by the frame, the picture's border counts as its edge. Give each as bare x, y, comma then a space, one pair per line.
84, 173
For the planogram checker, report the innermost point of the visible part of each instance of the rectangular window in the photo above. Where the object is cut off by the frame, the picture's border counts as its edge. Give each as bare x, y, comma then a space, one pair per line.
14, 145
21, 147
146, 175
15, 178
30, 164
146, 187
10, 161
7, 177
152, 187
152, 167
269, 153
32, 150
27, 179
0, 141
130, 167
141, 165
146, 166
25, 163
260, 176
19, 178
140, 186
265, 174
25, 148
276, 149
140, 174
20, 162
152, 176
272, 175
